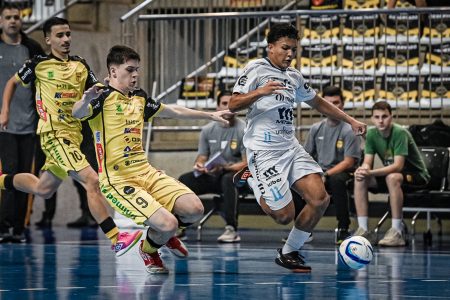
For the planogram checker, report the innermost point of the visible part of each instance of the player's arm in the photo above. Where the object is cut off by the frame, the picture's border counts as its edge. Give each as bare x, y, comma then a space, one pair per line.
8, 93
81, 109
242, 101
332, 111
342, 166
395, 167
175, 111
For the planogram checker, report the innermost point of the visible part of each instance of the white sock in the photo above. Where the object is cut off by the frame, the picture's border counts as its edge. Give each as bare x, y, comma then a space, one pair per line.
363, 222
397, 224
295, 240
252, 183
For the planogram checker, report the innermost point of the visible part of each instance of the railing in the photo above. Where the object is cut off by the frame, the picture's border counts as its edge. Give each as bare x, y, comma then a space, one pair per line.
399, 55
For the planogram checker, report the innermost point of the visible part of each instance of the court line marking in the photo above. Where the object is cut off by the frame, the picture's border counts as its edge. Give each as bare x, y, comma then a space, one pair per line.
228, 284
70, 287
435, 280
313, 282
33, 289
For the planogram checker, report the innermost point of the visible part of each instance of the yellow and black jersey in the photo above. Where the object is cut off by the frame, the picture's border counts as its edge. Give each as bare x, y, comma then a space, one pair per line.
117, 122
59, 84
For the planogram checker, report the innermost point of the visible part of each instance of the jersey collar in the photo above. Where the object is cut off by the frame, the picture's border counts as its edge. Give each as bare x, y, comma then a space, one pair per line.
268, 60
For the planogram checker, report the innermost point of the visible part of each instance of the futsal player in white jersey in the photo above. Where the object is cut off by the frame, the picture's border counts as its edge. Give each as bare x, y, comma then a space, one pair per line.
269, 88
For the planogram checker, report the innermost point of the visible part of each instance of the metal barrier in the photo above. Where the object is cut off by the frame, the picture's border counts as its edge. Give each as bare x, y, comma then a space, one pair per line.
399, 55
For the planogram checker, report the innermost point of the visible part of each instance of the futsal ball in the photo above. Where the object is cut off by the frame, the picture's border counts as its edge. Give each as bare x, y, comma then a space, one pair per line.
356, 252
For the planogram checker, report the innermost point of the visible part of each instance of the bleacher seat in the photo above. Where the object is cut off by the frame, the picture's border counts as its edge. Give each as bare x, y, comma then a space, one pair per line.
436, 28
358, 90
399, 89
320, 29
361, 29
318, 59
359, 59
401, 28
435, 91
437, 58
399, 58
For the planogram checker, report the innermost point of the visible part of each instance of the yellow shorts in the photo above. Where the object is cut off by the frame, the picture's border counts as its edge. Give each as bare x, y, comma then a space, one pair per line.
62, 152
138, 198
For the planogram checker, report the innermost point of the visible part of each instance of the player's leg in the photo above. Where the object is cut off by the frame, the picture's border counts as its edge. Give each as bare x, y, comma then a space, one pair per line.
122, 242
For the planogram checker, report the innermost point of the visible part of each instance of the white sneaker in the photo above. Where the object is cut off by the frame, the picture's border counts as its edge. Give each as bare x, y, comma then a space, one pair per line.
229, 236
393, 238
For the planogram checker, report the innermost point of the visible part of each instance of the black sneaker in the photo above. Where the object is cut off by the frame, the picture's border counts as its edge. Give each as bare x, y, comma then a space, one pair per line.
292, 261
341, 235
240, 178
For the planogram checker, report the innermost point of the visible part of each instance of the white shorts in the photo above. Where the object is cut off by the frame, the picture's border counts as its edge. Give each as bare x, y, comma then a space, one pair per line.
275, 171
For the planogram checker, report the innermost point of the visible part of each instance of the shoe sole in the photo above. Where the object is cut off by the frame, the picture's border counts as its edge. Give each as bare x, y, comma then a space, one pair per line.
122, 252
295, 270
158, 271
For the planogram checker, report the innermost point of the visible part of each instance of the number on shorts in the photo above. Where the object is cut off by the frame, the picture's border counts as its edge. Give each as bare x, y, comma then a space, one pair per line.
76, 156
142, 202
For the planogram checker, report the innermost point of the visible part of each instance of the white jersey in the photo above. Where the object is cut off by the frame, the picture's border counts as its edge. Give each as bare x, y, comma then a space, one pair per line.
270, 119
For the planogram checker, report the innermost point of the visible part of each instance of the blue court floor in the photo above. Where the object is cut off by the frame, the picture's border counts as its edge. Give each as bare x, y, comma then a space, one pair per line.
78, 264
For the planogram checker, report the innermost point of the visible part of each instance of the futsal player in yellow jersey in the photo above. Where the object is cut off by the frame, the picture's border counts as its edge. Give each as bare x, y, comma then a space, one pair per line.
60, 80
130, 184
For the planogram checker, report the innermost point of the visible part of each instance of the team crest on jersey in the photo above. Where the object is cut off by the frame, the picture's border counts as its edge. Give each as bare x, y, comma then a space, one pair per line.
50, 74
339, 144
233, 144
242, 80
78, 76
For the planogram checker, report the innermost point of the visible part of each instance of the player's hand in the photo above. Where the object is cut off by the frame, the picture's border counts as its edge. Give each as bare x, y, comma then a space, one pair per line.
222, 116
4, 119
271, 87
92, 93
359, 128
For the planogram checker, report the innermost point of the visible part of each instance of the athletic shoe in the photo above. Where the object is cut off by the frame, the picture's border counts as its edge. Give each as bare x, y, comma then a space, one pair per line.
341, 235
393, 238
308, 240
229, 235
292, 261
177, 247
240, 178
126, 241
153, 262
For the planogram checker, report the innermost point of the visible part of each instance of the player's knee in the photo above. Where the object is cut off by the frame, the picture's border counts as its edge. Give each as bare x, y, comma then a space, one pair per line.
284, 218
320, 202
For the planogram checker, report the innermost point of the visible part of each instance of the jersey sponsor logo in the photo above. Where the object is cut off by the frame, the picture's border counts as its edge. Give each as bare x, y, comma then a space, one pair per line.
126, 151
99, 150
131, 122
133, 161
242, 80
63, 86
285, 131
132, 130
307, 87
283, 98
40, 108
124, 210
271, 172
63, 95
128, 139
24, 75
285, 115
128, 190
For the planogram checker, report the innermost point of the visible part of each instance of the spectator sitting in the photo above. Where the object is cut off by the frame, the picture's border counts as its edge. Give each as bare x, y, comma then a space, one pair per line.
336, 149
215, 138
402, 164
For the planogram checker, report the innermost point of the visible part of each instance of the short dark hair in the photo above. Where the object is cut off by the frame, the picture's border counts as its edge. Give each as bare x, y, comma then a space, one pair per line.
54, 21
223, 93
282, 30
331, 91
382, 105
9, 5
119, 54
